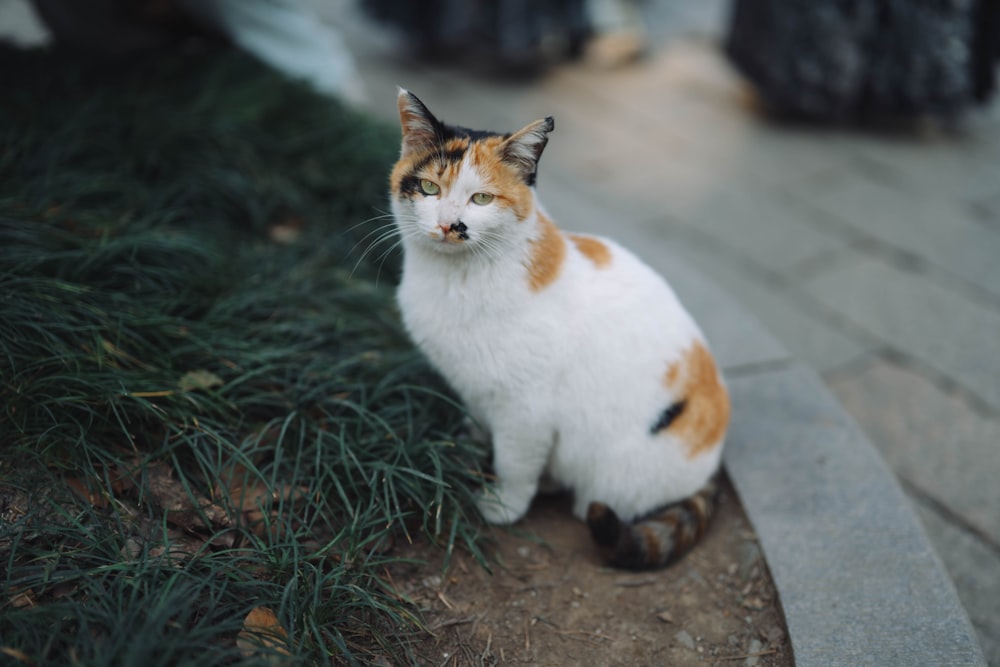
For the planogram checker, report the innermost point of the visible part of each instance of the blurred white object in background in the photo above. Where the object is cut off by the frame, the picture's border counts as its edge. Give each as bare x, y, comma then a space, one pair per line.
289, 36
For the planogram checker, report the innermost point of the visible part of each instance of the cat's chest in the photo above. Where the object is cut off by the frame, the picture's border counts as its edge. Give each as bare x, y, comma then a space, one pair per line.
449, 318
477, 331
435, 295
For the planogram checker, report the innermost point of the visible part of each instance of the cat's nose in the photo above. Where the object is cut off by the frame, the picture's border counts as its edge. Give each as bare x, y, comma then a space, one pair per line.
459, 228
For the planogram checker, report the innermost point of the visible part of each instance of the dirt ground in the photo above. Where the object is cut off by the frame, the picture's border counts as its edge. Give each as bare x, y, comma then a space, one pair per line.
551, 601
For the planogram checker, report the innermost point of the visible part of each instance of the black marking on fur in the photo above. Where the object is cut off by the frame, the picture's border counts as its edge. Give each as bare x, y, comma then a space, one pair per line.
441, 158
459, 132
409, 186
668, 417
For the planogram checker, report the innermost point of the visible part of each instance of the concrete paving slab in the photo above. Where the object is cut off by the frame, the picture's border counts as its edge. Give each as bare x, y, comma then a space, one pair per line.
957, 165
784, 313
859, 582
907, 311
930, 438
974, 568
986, 211
687, 91
941, 231
764, 227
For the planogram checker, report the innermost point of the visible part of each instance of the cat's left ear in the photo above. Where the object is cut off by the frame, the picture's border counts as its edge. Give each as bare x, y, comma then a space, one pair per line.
524, 147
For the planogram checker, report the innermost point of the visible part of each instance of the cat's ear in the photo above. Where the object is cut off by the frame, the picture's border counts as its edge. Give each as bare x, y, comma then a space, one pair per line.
525, 146
421, 130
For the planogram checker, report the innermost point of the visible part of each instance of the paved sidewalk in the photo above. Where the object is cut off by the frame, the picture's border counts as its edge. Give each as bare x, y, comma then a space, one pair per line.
874, 257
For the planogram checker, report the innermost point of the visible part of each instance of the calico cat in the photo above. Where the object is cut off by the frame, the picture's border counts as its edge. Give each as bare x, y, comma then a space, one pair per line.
576, 356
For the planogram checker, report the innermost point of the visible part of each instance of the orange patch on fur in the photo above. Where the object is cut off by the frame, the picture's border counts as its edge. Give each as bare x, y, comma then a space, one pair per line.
695, 379
548, 252
593, 249
509, 188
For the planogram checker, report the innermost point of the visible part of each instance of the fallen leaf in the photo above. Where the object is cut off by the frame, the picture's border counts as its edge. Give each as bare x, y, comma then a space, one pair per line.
287, 230
20, 656
773, 635
177, 546
23, 599
263, 635
82, 490
183, 508
199, 379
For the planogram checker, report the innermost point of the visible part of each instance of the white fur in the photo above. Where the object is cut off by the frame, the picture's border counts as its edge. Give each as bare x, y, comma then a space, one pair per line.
568, 379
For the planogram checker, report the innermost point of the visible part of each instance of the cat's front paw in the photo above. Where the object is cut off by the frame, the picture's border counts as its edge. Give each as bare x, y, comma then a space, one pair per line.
501, 508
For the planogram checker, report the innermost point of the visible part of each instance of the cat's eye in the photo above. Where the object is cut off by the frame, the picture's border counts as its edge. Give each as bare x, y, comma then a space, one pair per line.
482, 198
429, 187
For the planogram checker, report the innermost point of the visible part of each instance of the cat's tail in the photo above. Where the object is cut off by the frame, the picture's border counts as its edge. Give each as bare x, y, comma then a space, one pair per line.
657, 539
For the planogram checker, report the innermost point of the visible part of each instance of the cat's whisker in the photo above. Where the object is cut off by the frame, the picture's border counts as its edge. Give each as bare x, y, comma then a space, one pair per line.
378, 230
380, 261
488, 245
387, 232
383, 215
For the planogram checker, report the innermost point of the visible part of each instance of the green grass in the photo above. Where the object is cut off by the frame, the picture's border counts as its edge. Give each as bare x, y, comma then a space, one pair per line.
242, 417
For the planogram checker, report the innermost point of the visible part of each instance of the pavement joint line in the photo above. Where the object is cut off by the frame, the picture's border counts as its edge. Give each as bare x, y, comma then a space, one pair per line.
880, 172
955, 518
858, 364
902, 258
911, 262
776, 281
820, 263
945, 383
757, 367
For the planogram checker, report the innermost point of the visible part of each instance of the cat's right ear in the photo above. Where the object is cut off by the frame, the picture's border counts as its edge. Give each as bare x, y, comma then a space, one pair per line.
421, 130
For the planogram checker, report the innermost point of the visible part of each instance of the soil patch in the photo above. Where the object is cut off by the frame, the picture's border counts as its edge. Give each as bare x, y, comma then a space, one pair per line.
550, 600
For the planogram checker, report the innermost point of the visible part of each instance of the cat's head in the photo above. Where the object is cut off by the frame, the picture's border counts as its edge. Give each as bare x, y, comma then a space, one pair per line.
455, 189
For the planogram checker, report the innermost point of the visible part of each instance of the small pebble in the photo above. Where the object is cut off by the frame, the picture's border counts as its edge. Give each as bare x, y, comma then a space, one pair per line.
752, 649
685, 639
665, 617
774, 634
